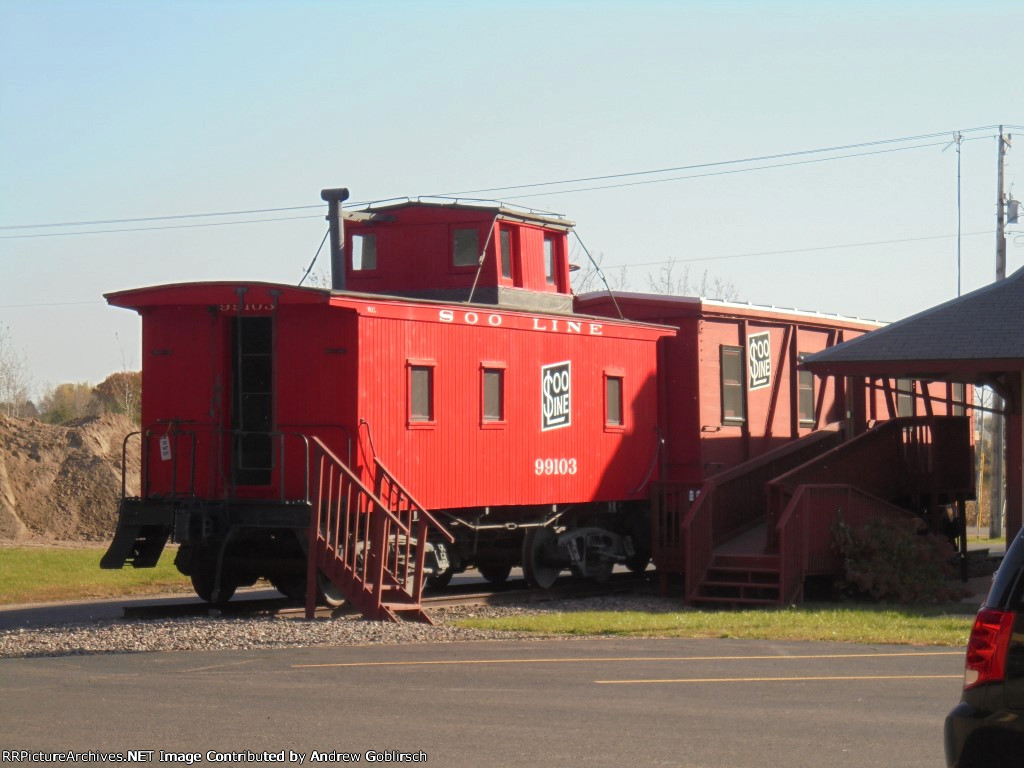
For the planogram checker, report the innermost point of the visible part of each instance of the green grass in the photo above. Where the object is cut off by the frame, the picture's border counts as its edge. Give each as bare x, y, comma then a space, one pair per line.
40, 574
975, 539
44, 574
857, 624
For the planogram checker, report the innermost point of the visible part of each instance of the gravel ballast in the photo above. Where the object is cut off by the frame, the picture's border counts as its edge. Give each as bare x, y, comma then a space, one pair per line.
232, 632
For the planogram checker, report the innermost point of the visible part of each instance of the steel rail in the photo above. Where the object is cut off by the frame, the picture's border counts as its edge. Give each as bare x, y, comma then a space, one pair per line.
567, 588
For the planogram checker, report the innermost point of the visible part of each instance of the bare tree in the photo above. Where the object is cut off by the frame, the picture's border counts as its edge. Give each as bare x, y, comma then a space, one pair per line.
320, 278
588, 278
709, 287
15, 378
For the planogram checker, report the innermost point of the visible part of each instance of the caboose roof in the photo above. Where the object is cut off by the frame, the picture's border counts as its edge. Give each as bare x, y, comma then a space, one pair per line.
225, 293
216, 293
385, 211
648, 306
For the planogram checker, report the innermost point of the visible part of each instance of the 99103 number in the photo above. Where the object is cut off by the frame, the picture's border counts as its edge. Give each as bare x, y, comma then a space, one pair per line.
554, 467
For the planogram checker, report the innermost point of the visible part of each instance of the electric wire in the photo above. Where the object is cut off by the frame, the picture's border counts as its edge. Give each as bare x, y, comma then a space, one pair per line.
97, 222
154, 229
535, 185
602, 266
728, 172
697, 166
788, 251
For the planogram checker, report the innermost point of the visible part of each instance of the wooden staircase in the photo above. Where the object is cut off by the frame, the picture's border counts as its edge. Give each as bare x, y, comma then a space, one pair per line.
740, 579
752, 538
371, 544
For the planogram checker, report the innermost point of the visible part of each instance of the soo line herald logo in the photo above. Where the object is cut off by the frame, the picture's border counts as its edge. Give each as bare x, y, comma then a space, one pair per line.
759, 360
555, 396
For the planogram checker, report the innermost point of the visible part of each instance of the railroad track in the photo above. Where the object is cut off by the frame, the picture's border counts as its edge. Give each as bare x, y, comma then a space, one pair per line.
464, 594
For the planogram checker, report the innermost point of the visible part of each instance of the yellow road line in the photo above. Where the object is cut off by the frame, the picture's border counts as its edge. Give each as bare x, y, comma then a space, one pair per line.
780, 679
606, 659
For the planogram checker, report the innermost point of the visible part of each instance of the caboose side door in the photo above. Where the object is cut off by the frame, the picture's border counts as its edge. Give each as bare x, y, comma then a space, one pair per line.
251, 415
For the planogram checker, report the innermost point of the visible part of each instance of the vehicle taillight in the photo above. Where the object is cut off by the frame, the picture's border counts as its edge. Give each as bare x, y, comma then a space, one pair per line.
987, 648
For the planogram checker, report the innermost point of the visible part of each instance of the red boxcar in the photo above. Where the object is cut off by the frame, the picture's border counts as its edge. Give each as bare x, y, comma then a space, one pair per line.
733, 386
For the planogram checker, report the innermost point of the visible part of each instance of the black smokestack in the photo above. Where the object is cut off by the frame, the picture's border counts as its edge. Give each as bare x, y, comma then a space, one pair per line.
334, 198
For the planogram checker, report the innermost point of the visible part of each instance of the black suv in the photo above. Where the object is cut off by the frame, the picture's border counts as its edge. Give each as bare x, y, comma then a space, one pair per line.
987, 727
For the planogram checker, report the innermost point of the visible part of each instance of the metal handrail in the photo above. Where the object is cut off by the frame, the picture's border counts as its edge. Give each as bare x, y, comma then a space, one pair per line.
124, 463
195, 431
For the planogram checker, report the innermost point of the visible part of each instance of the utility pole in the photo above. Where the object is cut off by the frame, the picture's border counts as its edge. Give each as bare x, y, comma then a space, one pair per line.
1004, 142
997, 490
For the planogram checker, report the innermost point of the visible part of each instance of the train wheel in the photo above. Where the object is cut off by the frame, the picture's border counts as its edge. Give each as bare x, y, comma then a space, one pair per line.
638, 563
199, 563
328, 594
292, 587
203, 579
440, 580
537, 567
495, 573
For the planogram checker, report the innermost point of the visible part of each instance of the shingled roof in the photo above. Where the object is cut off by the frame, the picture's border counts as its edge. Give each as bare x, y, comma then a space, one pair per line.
963, 339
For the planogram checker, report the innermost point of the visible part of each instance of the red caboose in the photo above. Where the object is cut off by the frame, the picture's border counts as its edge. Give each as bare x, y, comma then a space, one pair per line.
529, 433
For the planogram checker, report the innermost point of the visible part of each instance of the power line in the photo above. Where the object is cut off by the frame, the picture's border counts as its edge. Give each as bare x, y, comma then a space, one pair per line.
697, 166
793, 250
534, 185
157, 218
733, 171
153, 229
51, 304
646, 263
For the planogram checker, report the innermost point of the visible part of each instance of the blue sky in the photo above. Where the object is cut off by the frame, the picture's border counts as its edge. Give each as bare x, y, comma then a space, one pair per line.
119, 110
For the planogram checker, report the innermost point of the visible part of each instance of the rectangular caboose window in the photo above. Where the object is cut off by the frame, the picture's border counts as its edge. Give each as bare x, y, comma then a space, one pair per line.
613, 416
421, 393
364, 252
465, 247
957, 396
904, 397
733, 403
549, 260
493, 394
805, 395
505, 236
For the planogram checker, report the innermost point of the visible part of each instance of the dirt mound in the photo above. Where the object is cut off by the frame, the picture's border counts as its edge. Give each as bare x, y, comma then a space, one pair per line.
63, 482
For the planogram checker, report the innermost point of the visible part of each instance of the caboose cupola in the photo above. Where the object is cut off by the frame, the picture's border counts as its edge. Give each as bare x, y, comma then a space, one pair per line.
485, 254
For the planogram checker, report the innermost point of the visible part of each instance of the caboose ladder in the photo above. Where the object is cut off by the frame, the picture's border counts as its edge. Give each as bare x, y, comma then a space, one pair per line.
370, 544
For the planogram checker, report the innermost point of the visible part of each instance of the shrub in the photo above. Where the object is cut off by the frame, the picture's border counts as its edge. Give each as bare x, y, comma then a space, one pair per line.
897, 560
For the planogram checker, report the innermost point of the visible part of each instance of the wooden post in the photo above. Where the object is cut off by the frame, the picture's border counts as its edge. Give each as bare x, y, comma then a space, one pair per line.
1015, 460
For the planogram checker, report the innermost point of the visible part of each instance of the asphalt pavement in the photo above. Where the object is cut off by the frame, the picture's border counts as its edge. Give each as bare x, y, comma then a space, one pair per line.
591, 702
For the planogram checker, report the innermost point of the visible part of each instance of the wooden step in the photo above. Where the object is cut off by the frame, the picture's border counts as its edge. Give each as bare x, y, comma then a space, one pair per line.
744, 575
734, 601
751, 561
739, 584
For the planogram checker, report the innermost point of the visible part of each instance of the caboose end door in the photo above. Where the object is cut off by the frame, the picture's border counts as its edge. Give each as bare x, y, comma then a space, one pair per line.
251, 415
